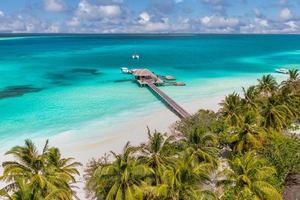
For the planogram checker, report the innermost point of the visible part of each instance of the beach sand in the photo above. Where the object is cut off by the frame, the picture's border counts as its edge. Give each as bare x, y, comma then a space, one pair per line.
135, 131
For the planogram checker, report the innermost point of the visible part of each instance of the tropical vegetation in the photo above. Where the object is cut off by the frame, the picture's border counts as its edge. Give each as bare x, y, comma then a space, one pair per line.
36, 176
245, 151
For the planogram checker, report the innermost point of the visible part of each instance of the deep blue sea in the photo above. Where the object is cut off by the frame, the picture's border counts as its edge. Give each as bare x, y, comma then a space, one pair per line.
53, 83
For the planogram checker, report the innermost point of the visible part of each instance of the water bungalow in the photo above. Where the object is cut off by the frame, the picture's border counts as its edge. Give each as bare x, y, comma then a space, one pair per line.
144, 76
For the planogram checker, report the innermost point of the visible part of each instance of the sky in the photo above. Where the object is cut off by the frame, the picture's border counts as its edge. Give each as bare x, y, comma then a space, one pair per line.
150, 16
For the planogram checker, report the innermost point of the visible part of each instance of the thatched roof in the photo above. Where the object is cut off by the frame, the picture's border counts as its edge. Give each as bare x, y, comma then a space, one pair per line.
142, 72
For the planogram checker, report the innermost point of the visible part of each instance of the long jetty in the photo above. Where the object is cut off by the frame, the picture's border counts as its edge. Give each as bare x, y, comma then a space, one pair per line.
178, 110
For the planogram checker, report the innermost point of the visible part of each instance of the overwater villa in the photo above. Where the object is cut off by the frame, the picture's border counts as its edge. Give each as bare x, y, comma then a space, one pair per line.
144, 76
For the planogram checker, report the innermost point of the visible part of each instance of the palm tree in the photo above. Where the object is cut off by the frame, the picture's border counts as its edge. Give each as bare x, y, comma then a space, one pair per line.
248, 135
231, 109
158, 153
121, 179
25, 191
248, 177
185, 180
65, 167
292, 85
250, 98
293, 74
37, 170
202, 144
267, 85
275, 114
92, 187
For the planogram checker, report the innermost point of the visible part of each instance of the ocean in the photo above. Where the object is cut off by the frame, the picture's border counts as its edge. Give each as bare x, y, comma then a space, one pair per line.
54, 83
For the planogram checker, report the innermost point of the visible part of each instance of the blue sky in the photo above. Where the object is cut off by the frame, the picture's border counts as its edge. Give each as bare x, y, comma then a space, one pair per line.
150, 16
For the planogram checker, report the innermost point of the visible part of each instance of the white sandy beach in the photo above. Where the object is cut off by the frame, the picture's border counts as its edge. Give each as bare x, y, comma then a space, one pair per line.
135, 131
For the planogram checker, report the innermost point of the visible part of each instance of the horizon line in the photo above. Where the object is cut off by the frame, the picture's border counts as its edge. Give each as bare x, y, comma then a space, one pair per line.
184, 33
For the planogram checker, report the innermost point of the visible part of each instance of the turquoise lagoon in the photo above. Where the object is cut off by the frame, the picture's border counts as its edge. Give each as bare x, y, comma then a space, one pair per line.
54, 83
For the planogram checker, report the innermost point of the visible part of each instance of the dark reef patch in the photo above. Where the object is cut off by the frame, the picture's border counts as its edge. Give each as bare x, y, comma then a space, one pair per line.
18, 90
68, 77
85, 71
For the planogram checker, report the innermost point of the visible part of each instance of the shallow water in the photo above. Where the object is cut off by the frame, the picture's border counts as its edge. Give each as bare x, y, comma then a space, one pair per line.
50, 84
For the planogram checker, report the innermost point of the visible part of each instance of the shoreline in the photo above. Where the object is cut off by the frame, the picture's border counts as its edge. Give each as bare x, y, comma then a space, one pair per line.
115, 138
97, 137
161, 120
134, 131
93, 140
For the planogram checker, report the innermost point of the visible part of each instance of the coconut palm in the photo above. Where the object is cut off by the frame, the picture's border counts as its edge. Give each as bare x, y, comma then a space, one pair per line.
185, 180
248, 178
267, 85
157, 154
37, 170
25, 191
291, 87
121, 179
293, 74
64, 167
92, 187
248, 135
250, 98
202, 144
289, 97
231, 109
275, 114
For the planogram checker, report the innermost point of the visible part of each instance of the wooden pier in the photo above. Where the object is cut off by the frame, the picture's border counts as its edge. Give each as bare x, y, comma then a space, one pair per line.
145, 77
178, 110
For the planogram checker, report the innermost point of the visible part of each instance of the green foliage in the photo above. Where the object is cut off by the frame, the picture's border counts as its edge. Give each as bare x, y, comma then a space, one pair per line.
187, 163
204, 119
158, 154
248, 135
283, 153
248, 178
231, 109
36, 176
267, 85
121, 179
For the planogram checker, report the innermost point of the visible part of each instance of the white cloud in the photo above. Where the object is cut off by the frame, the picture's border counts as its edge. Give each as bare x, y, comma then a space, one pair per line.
218, 22
258, 25
292, 26
90, 11
261, 22
285, 14
156, 26
25, 24
110, 10
112, 16
146, 23
144, 17
54, 5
